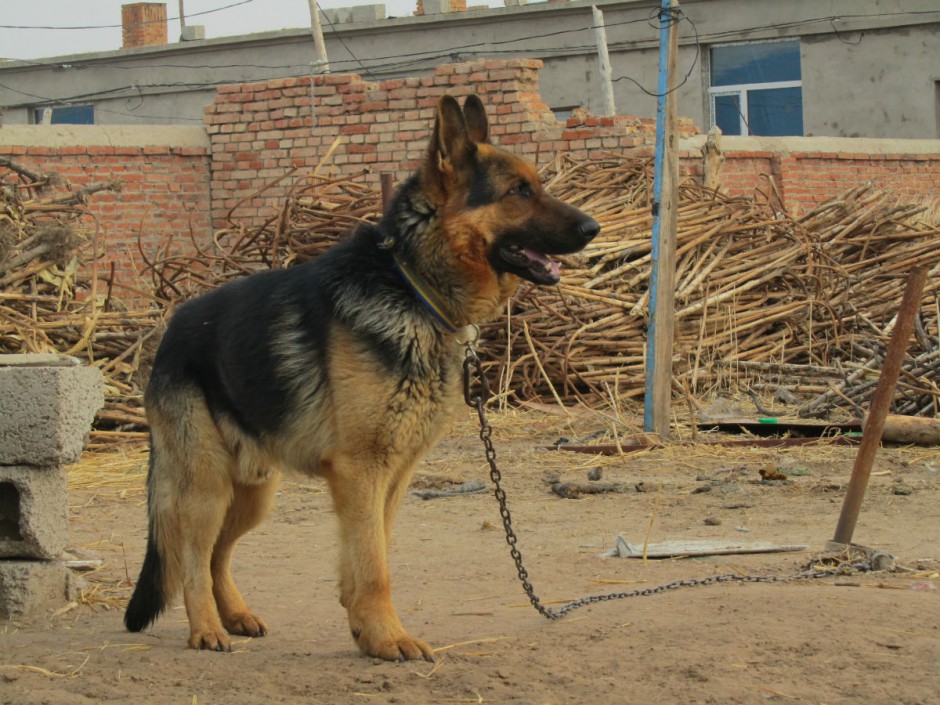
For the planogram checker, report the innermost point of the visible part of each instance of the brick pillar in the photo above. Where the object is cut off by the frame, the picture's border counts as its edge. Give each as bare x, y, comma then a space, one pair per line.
436, 7
144, 24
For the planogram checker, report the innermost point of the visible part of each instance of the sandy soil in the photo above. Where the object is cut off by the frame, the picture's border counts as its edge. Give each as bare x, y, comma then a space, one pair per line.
863, 638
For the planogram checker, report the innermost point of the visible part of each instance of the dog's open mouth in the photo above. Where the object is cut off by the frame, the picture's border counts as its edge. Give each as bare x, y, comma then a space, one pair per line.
531, 265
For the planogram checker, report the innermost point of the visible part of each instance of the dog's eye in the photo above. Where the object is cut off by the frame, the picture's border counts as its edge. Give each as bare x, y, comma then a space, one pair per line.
522, 189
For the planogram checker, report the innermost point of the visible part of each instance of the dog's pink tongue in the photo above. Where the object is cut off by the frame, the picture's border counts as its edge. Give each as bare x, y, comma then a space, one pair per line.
550, 265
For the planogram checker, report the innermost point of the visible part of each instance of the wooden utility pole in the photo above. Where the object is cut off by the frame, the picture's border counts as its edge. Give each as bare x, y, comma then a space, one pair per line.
182, 15
607, 86
317, 30
665, 206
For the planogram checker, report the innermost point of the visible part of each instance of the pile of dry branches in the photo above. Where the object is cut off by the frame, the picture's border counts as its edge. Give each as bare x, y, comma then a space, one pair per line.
52, 298
763, 300
753, 287
315, 214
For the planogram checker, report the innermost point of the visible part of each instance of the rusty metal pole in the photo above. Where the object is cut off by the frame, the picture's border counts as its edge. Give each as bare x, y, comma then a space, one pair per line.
880, 404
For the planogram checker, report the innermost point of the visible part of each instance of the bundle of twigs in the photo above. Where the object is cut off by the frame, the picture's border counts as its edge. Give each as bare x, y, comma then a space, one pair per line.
752, 285
316, 213
51, 296
761, 298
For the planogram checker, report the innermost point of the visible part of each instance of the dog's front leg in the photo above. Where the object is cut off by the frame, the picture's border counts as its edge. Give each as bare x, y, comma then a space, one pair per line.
360, 496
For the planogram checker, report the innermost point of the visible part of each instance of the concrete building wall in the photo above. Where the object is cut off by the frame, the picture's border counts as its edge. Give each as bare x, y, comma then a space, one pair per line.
870, 67
879, 80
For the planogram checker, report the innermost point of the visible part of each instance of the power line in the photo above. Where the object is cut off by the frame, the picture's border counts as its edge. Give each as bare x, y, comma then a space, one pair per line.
118, 26
336, 35
399, 62
374, 62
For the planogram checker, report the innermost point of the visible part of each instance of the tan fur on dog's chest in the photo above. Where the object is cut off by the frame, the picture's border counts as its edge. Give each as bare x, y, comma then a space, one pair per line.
383, 415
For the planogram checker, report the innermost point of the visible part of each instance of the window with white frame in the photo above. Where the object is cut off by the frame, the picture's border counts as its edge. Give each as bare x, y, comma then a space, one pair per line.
756, 88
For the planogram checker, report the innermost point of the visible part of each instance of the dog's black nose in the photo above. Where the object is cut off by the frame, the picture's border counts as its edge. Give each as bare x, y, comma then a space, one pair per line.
589, 229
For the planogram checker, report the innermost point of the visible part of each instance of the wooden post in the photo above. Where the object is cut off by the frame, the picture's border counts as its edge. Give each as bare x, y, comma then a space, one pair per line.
712, 159
665, 206
880, 404
607, 87
387, 190
317, 30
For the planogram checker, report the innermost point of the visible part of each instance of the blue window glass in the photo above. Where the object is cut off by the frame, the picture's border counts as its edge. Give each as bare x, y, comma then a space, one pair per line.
728, 114
767, 62
774, 112
69, 115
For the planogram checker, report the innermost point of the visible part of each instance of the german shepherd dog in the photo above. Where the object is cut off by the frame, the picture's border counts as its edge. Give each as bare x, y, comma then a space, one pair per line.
347, 367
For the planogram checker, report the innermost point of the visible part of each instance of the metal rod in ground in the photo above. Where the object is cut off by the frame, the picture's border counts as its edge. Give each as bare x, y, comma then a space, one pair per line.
880, 405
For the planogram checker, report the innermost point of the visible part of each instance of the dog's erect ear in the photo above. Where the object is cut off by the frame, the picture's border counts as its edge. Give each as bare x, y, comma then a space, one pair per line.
450, 142
450, 152
475, 114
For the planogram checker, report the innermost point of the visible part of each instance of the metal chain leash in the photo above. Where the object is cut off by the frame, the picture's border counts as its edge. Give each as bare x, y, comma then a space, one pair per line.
474, 377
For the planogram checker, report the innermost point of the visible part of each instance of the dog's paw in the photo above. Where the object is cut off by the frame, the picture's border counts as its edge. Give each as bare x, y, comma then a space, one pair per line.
400, 647
245, 624
210, 640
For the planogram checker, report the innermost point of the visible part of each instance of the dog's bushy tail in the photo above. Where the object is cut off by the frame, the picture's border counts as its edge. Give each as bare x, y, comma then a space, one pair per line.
155, 587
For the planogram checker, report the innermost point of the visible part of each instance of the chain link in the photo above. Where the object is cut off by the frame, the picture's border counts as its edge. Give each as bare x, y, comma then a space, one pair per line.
474, 378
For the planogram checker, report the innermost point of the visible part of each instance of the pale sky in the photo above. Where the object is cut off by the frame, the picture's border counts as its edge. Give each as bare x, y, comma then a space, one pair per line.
23, 22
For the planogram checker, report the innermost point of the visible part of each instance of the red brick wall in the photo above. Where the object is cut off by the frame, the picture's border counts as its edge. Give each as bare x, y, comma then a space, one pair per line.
163, 191
809, 179
744, 173
260, 130
804, 180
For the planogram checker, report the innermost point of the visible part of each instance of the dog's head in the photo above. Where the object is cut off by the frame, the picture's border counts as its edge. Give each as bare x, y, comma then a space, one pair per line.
491, 204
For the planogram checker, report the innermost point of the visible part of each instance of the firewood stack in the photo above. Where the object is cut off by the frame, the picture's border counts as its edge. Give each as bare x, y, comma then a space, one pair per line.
757, 291
55, 298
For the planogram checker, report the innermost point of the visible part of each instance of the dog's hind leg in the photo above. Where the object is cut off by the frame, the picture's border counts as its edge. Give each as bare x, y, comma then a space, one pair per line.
203, 499
250, 504
202, 513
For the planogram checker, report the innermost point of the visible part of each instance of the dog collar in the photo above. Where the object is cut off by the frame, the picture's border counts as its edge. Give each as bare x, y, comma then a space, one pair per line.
427, 296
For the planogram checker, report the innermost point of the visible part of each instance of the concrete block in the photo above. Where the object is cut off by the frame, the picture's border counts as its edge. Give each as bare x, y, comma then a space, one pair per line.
344, 15
193, 32
46, 412
29, 587
436, 7
368, 13
34, 512
334, 16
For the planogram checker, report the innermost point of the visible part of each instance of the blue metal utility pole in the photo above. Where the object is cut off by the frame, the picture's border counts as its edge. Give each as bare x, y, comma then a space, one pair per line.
657, 412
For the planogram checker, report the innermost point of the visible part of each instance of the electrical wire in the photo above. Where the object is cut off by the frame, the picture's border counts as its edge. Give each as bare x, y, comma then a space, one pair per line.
118, 26
375, 63
398, 62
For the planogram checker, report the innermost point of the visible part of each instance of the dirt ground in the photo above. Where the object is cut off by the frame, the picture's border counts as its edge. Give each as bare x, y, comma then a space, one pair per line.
856, 638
